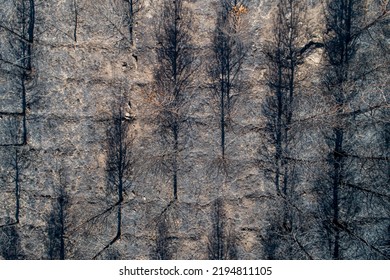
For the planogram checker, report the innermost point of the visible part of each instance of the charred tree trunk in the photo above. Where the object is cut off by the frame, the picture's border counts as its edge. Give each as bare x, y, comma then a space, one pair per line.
133, 8
285, 55
229, 52
75, 19
120, 163
173, 80
346, 202
57, 224
222, 240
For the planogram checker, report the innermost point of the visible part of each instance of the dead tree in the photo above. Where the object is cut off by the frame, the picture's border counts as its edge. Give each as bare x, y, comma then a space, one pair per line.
173, 77
283, 60
222, 240
343, 195
16, 161
17, 60
284, 57
229, 51
119, 172
17, 26
342, 18
10, 247
75, 19
56, 228
134, 7
119, 168
163, 249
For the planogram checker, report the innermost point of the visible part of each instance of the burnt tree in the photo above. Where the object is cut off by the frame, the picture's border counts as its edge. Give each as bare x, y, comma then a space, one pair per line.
10, 247
16, 55
56, 228
163, 248
222, 240
17, 160
352, 204
228, 54
120, 162
75, 19
173, 78
133, 8
279, 157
